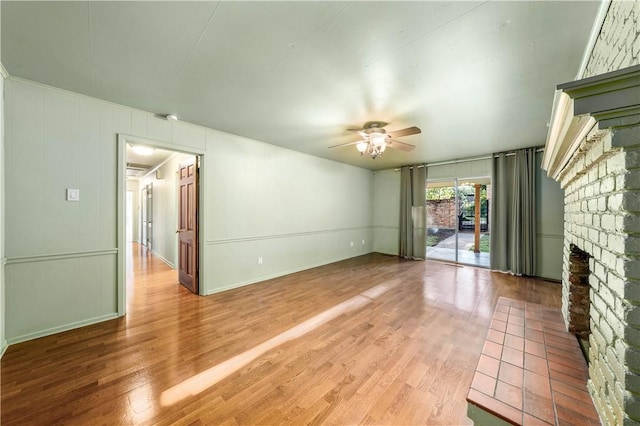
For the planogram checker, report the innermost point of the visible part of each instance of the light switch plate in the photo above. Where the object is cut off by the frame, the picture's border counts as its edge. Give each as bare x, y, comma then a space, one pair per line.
73, 194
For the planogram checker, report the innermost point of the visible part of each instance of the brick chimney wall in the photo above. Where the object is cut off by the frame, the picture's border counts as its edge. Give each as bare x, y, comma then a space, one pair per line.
602, 218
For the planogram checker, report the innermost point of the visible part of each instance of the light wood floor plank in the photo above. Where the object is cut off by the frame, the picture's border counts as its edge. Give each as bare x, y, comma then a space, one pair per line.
405, 356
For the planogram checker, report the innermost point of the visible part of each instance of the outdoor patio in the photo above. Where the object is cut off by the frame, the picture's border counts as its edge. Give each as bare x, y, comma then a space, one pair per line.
446, 250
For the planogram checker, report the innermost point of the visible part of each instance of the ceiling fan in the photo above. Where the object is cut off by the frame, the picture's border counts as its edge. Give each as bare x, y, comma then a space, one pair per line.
375, 139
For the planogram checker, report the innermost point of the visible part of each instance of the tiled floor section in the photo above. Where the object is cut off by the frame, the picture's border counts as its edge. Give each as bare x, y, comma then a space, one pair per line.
531, 371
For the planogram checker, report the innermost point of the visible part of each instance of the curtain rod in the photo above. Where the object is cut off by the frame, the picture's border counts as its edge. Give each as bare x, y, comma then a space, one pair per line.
465, 160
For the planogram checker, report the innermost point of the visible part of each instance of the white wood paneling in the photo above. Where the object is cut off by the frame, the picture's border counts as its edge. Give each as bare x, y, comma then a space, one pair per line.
139, 124
233, 263
56, 295
108, 176
386, 211
293, 210
271, 191
3, 340
24, 151
123, 122
549, 225
159, 130
61, 162
88, 174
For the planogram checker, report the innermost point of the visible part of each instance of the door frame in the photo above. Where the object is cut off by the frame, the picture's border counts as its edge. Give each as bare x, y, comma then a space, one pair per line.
123, 139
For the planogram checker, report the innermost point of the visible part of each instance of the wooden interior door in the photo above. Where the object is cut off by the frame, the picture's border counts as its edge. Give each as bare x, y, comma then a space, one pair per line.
188, 225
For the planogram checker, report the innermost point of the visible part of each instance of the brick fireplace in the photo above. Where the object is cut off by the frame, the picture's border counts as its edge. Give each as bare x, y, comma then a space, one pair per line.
596, 159
577, 302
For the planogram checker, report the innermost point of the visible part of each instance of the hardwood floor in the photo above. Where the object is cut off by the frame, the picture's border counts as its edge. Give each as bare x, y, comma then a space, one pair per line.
403, 353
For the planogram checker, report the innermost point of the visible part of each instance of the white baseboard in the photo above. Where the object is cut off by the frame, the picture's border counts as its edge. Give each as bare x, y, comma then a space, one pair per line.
59, 329
161, 257
3, 348
279, 274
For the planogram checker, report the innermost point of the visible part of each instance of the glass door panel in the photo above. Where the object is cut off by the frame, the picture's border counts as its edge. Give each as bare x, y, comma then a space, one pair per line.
441, 220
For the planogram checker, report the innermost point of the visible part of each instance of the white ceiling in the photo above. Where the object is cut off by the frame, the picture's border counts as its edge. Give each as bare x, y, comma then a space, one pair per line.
139, 165
476, 77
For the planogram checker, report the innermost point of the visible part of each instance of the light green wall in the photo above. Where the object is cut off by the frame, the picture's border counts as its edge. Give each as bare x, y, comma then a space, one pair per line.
3, 341
165, 210
294, 210
549, 224
61, 255
386, 207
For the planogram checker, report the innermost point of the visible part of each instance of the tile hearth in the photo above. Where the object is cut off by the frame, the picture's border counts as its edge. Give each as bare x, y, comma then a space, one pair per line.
531, 370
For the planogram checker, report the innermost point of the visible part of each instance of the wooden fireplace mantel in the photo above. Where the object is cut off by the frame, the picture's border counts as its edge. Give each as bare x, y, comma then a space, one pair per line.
584, 108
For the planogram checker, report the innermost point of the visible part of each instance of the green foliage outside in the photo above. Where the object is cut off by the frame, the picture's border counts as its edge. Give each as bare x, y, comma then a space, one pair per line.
485, 243
448, 192
466, 197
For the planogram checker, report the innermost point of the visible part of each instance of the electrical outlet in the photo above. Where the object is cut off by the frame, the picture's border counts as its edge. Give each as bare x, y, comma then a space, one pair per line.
260, 260
362, 242
351, 243
73, 194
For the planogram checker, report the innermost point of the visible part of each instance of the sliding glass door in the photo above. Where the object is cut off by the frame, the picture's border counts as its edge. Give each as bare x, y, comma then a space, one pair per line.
458, 220
442, 211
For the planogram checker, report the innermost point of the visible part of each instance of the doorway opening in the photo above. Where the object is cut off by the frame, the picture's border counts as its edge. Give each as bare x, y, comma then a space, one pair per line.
129, 216
458, 227
146, 216
159, 207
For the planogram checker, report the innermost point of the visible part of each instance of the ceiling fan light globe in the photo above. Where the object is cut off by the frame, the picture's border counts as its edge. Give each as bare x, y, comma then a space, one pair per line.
377, 139
362, 147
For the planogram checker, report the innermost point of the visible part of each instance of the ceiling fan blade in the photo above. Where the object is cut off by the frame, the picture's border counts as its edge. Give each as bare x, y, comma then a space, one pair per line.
400, 145
345, 144
359, 132
405, 132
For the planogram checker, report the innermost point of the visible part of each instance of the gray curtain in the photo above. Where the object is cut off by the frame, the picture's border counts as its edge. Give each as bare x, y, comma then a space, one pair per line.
513, 224
413, 193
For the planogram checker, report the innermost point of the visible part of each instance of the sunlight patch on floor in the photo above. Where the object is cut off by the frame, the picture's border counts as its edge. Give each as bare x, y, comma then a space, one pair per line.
204, 380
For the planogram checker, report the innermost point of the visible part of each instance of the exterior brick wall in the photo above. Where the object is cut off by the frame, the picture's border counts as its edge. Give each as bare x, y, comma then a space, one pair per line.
442, 213
618, 44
